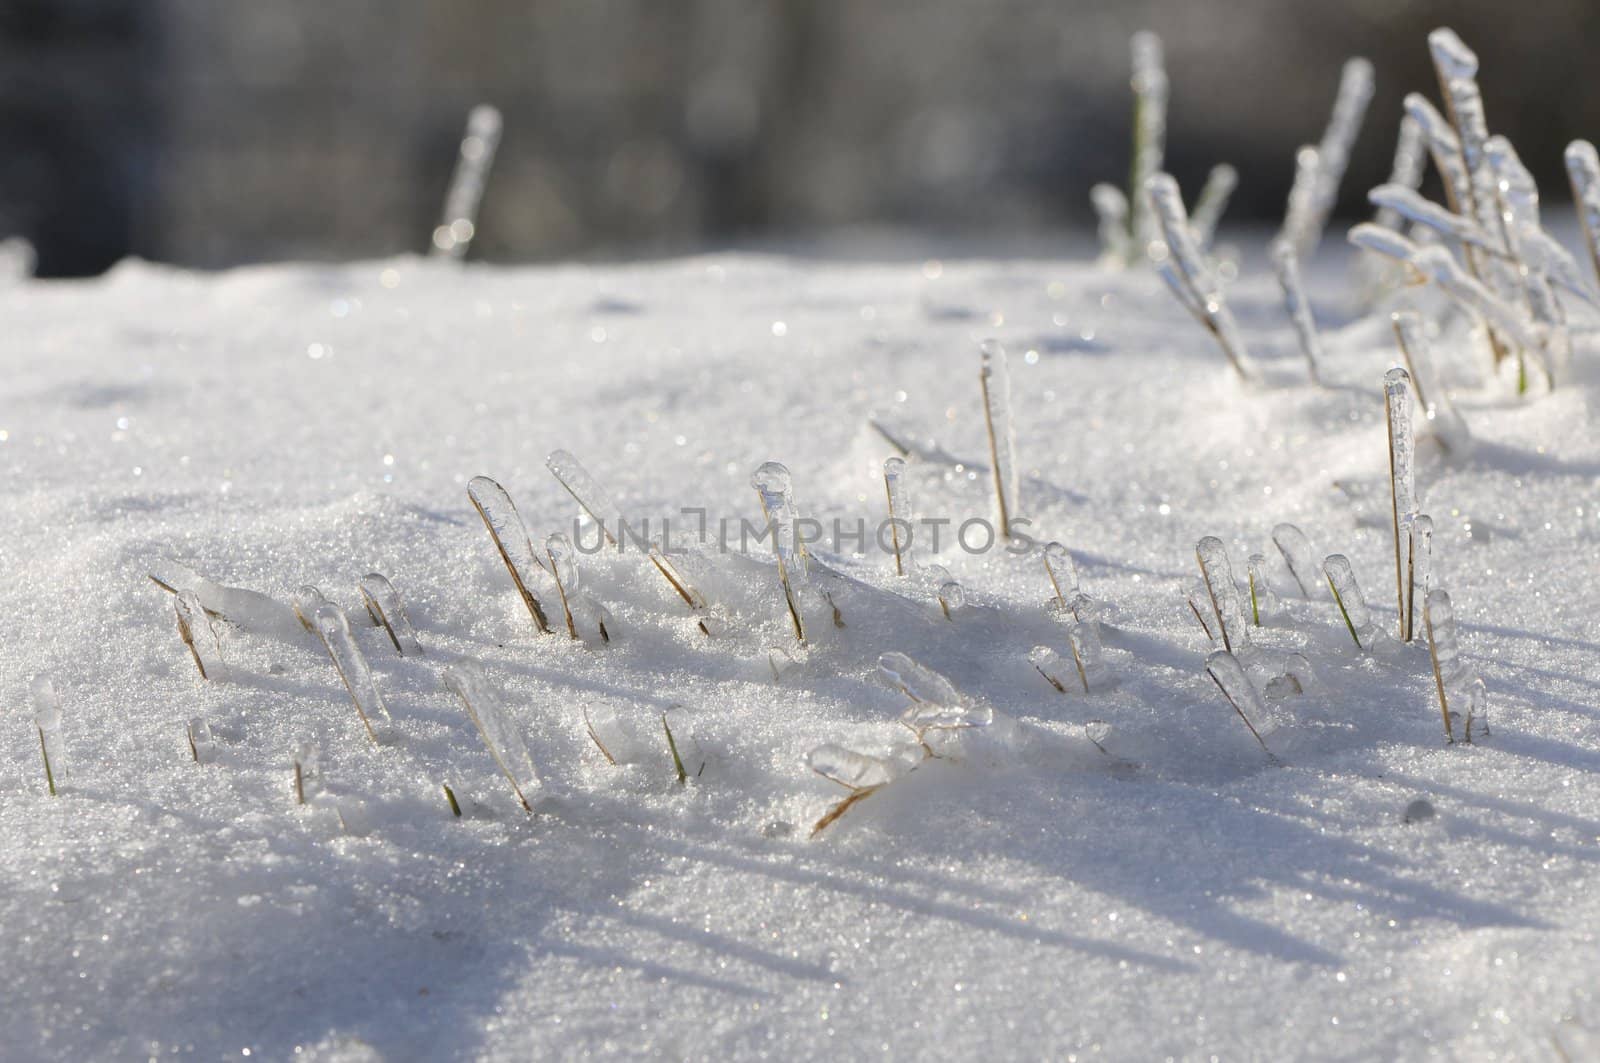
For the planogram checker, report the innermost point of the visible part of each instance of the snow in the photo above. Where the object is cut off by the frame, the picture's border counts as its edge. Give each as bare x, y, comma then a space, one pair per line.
1118, 874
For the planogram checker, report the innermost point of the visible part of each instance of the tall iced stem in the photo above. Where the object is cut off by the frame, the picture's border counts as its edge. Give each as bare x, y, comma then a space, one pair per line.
459, 223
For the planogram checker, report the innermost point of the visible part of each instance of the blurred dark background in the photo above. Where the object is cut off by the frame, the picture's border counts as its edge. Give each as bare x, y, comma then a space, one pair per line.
210, 133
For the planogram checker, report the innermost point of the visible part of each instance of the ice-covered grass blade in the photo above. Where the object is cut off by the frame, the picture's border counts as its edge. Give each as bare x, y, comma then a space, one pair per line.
1443, 649
898, 493
1308, 219
510, 537
1287, 264
774, 486
465, 679
994, 377
1298, 555
1217, 573
1348, 597
459, 223
1583, 172
1063, 573
1438, 412
389, 612
672, 747
1212, 201
1183, 265
1150, 89
198, 634
1225, 671
351, 664
47, 722
1397, 407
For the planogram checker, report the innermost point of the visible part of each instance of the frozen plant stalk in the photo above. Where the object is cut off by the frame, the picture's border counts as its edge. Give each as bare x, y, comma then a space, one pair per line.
1262, 597
1225, 671
1449, 671
465, 679
995, 379
917, 681
1420, 564
1402, 485
388, 612
1333, 155
352, 666
861, 774
1287, 264
899, 496
460, 221
510, 537
47, 722
1223, 592
1212, 201
1298, 555
1149, 133
775, 487
1187, 272
1348, 597
1111, 207
575, 601
596, 501
198, 633
1058, 565
1583, 171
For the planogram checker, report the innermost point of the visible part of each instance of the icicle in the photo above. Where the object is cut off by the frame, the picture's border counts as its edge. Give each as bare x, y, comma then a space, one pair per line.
352, 666
918, 682
596, 501
1149, 132
1298, 555
1048, 663
201, 741
1211, 202
860, 771
901, 517
995, 377
500, 736
1402, 486
510, 537
47, 722
1111, 208
1348, 597
198, 634
1240, 693
1439, 413
459, 223
388, 612
1263, 599
1294, 300
1223, 592
1190, 275
1583, 171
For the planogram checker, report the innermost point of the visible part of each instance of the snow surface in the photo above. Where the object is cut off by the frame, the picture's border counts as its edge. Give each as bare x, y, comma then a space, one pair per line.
1026, 895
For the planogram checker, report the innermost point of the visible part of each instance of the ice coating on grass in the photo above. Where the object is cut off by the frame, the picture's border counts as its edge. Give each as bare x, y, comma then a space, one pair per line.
1439, 414
1309, 217
859, 771
1450, 55
1349, 600
1149, 128
1420, 556
1410, 156
1387, 242
917, 681
458, 224
334, 627
307, 600
1410, 204
201, 741
563, 561
1263, 599
1477, 708
1212, 201
1111, 209
198, 633
1198, 600
1519, 212
510, 537
953, 597
1063, 573
1583, 172
465, 679
1302, 195
1287, 265
1057, 672
247, 610
1088, 653
1299, 556
1190, 275
901, 517
1443, 146
773, 482
1402, 484
1437, 265
1443, 640
1217, 573
995, 375
388, 611
46, 704
1236, 687
306, 764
